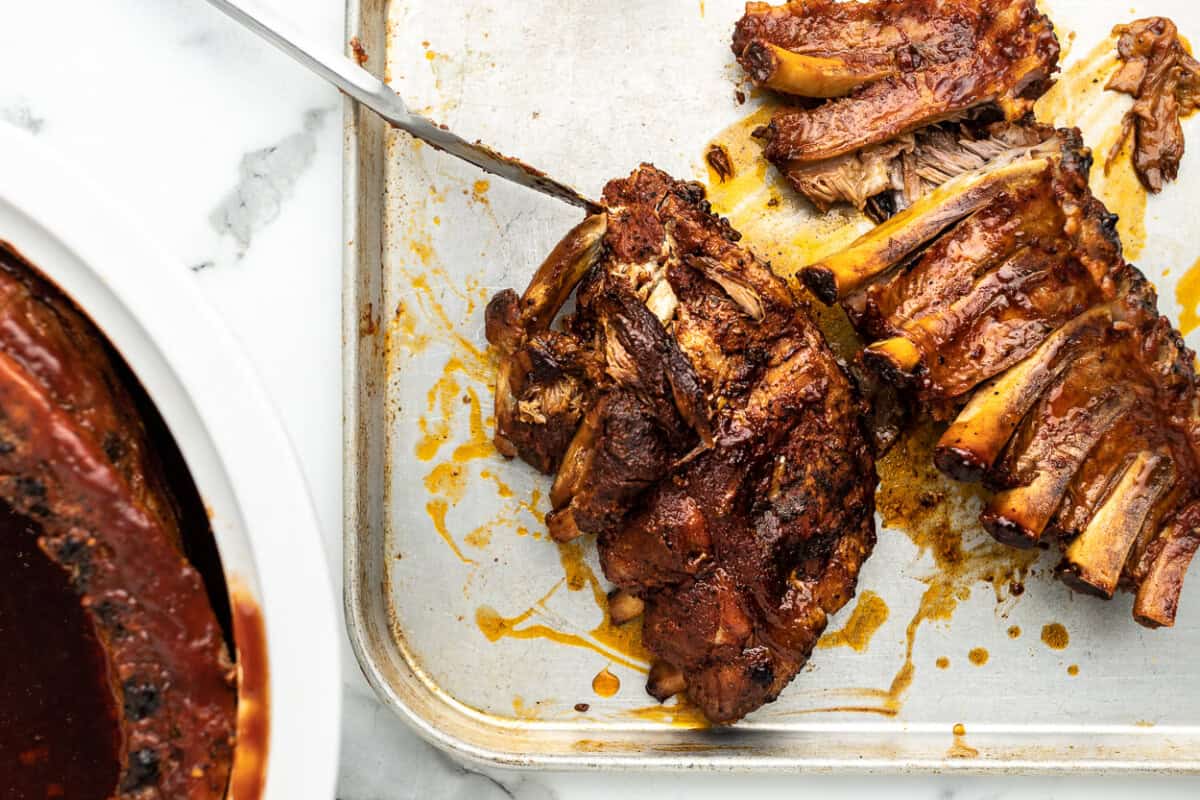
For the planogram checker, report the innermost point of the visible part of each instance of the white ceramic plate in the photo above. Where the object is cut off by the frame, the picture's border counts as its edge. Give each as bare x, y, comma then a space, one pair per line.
236, 448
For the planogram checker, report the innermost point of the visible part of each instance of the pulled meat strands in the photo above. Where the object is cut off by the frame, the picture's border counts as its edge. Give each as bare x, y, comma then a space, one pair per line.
76, 459
542, 382
888, 70
1002, 301
718, 452
1164, 80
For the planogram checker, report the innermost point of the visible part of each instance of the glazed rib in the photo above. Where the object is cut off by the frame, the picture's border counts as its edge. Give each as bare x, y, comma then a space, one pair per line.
1069, 394
910, 89
717, 452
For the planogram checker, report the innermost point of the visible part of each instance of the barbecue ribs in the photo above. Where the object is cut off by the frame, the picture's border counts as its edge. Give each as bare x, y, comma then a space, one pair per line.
700, 426
1164, 80
1002, 300
81, 476
895, 96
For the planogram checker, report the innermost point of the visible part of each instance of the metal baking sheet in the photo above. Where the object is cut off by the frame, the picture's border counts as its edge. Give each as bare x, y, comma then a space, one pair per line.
957, 655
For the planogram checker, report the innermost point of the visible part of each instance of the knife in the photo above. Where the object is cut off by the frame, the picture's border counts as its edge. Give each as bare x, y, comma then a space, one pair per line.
376, 95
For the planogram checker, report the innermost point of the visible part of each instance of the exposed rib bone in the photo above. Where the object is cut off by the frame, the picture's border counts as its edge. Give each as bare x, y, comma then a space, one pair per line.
577, 462
973, 442
1055, 448
1094, 561
948, 269
807, 76
512, 323
896, 359
887, 245
561, 272
562, 526
1169, 557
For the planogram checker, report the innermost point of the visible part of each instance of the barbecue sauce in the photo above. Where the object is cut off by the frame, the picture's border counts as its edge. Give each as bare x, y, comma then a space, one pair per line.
606, 684
869, 614
58, 728
249, 773
1055, 636
1187, 294
121, 662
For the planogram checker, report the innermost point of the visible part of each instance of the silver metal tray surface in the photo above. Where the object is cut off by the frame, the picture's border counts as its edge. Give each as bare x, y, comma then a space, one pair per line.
485, 635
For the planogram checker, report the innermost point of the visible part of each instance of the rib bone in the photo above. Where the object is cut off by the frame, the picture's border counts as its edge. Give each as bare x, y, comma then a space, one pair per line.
665, 681
1094, 561
1169, 557
1055, 449
562, 271
623, 606
973, 442
884, 247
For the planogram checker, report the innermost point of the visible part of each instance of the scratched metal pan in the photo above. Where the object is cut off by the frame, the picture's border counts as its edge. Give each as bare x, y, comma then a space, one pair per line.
488, 638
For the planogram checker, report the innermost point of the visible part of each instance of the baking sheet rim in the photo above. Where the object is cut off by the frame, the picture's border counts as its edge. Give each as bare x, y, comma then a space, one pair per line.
359, 556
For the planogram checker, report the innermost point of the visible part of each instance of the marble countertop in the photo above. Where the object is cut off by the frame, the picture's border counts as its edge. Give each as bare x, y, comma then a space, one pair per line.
233, 155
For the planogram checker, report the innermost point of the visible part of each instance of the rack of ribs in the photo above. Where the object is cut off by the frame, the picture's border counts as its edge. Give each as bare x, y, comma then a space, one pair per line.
1001, 301
696, 422
893, 97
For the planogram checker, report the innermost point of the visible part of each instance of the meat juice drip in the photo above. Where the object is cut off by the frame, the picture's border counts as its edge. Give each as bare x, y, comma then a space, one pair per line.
940, 517
421, 319
605, 683
680, 713
625, 639
622, 644
58, 728
870, 612
960, 748
495, 627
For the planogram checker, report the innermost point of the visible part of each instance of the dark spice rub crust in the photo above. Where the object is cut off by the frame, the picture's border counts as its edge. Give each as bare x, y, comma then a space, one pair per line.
76, 460
716, 446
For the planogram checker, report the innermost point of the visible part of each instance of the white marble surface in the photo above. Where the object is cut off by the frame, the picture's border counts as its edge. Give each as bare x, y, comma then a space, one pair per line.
233, 155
